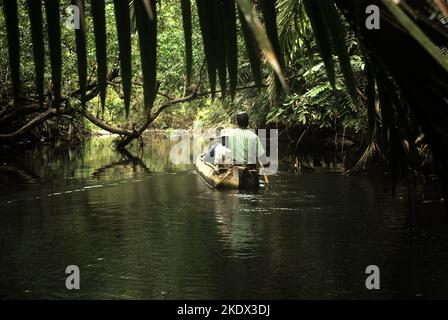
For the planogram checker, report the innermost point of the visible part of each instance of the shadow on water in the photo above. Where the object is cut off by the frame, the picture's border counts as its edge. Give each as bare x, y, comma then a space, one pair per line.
139, 226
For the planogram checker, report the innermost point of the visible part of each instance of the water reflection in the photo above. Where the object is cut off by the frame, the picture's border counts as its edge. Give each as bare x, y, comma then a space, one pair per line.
141, 227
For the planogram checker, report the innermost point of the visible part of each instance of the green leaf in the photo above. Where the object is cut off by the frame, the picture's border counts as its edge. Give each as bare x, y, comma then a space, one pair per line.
123, 22
205, 7
37, 38
334, 24
52, 9
270, 21
231, 44
259, 32
417, 33
322, 37
12, 29
252, 49
187, 27
220, 42
81, 51
147, 33
99, 28
133, 17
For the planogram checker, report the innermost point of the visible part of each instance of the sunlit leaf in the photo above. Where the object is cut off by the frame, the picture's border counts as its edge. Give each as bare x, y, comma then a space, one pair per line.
259, 32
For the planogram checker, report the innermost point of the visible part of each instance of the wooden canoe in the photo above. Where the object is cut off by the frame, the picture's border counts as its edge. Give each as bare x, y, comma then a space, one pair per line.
235, 177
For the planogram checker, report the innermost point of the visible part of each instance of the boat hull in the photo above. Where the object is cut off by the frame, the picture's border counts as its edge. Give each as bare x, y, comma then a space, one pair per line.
235, 177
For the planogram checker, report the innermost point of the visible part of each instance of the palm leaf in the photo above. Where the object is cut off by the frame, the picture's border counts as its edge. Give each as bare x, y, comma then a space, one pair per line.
187, 26
259, 32
99, 28
81, 51
52, 9
269, 14
252, 49
220, 42
133, 18
208, 40
12, 28
322, 37
123, 19
37, 37
417, 33
149, 10
334, 24
147, 32
231, 44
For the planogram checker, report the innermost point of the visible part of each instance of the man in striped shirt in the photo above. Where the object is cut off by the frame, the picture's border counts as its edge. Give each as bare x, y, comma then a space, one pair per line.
245, 145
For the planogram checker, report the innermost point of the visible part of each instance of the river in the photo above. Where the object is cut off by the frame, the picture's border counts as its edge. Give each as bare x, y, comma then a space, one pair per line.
139, 227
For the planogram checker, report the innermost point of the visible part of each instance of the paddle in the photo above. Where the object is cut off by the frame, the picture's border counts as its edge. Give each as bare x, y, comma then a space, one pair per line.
266, 180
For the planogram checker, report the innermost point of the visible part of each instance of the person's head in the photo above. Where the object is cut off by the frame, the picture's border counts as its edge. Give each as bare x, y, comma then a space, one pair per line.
242, 119
218, 131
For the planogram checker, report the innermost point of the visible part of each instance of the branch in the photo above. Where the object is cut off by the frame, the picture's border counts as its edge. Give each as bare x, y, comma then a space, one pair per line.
194, 95
50, 113
18, 112
151, 117
103, 125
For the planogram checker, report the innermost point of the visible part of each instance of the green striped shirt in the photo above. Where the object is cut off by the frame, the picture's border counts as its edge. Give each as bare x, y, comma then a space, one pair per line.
246, 146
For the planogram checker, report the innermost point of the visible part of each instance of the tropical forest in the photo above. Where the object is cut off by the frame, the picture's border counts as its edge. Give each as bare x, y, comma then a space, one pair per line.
223, 149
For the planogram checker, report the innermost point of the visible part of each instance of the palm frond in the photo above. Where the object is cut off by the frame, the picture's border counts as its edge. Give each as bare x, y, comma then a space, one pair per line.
417, 33
231, 44
252, 49
187, 26
99, 28
37, 37
81, 51
12, 29
322, 37
259, 32
337, 32
269, 12
123, 22
218, 19
147, 34
205, 9
52, 9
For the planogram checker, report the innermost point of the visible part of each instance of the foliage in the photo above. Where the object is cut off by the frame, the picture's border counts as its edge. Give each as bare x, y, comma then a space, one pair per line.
356, 76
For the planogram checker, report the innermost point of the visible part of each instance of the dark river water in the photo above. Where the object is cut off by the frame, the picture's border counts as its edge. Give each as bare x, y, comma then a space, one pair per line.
148, 229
